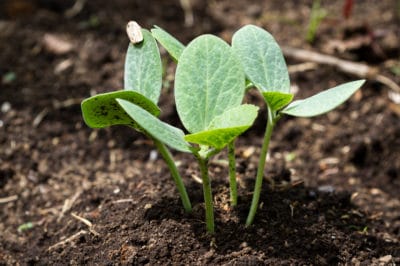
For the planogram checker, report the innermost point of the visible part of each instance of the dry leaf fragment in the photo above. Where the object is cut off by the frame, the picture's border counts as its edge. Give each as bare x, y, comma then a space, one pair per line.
134, 32
56, 45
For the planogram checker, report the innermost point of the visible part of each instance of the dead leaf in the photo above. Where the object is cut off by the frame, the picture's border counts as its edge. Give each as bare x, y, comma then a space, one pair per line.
56, 45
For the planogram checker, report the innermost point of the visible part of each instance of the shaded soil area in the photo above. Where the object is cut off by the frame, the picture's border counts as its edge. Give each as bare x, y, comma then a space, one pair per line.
73, 195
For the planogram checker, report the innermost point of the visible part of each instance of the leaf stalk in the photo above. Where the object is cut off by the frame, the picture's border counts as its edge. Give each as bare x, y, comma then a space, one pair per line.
272, 119
165, 153
232, 173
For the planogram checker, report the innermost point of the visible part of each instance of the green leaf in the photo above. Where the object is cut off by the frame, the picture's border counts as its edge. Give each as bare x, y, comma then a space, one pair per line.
242, 115
323, 102
169, 42
172, 136
102, 110
216, 138
143, 67
226, 127
277, 100
261, 58
209, 79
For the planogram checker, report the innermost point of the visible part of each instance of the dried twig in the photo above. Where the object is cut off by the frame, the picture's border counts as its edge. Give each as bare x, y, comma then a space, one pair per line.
87, 222
75, 9
122, 201
66, 241
188, 11
68, 203
8, 199
357, 69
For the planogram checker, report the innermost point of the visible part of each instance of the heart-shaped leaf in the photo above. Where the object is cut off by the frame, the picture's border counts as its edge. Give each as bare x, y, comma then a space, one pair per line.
226, 127
171, 136
143, 68
209, 79
277, 100
102, 110
261, 58
170, 43
323, 102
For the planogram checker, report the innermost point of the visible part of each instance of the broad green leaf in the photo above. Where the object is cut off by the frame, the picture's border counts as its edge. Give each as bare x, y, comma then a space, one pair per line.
216, 138
209, 79
242, 115
277, 100
172, 136
143, 68
102, 110
226, 127
323, 102
169, 42
261, 58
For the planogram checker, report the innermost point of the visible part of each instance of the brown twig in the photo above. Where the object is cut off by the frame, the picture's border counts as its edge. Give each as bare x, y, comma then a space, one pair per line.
357, 69
87, 222
69, 239
68, 203
8, 199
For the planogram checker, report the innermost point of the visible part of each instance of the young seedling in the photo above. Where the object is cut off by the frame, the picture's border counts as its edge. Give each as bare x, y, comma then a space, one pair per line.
175, 49
265, 67
142, 81
317, 15
209, 88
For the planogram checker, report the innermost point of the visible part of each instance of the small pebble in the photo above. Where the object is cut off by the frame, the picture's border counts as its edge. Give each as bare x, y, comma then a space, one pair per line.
153, 155
5, 107
326, 189
386, 259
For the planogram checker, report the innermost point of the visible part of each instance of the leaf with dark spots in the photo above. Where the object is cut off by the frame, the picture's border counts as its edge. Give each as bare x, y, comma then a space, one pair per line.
102, 110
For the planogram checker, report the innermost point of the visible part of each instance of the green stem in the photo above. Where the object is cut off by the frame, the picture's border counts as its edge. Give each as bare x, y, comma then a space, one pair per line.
260, 169
175, 174
232, 173
207, 193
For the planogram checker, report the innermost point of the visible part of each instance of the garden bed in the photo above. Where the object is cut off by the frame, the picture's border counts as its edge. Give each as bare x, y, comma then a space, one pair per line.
335, 198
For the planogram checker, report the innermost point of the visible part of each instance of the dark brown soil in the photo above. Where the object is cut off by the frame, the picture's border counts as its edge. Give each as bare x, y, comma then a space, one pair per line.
337, 177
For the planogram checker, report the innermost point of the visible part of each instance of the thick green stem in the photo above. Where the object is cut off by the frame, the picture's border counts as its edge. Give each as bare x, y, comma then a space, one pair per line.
232, 173
260, 169
175, 175
208, 200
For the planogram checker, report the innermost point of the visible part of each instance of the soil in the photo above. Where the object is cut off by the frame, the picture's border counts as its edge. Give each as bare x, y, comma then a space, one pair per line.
335, 198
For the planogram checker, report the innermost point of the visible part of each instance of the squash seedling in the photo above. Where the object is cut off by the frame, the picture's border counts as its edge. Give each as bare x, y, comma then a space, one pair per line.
142, 82
317, 15
175, 49
209, 88
265, 67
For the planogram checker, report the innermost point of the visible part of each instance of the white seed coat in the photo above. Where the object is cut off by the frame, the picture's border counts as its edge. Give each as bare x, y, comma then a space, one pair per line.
134, 32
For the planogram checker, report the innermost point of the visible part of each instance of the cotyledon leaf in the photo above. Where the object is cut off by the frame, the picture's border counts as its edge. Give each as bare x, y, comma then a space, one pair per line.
143, 67
209, 79
102, 110
261, 58
171, 136
170, 43
226, 127
324, 101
